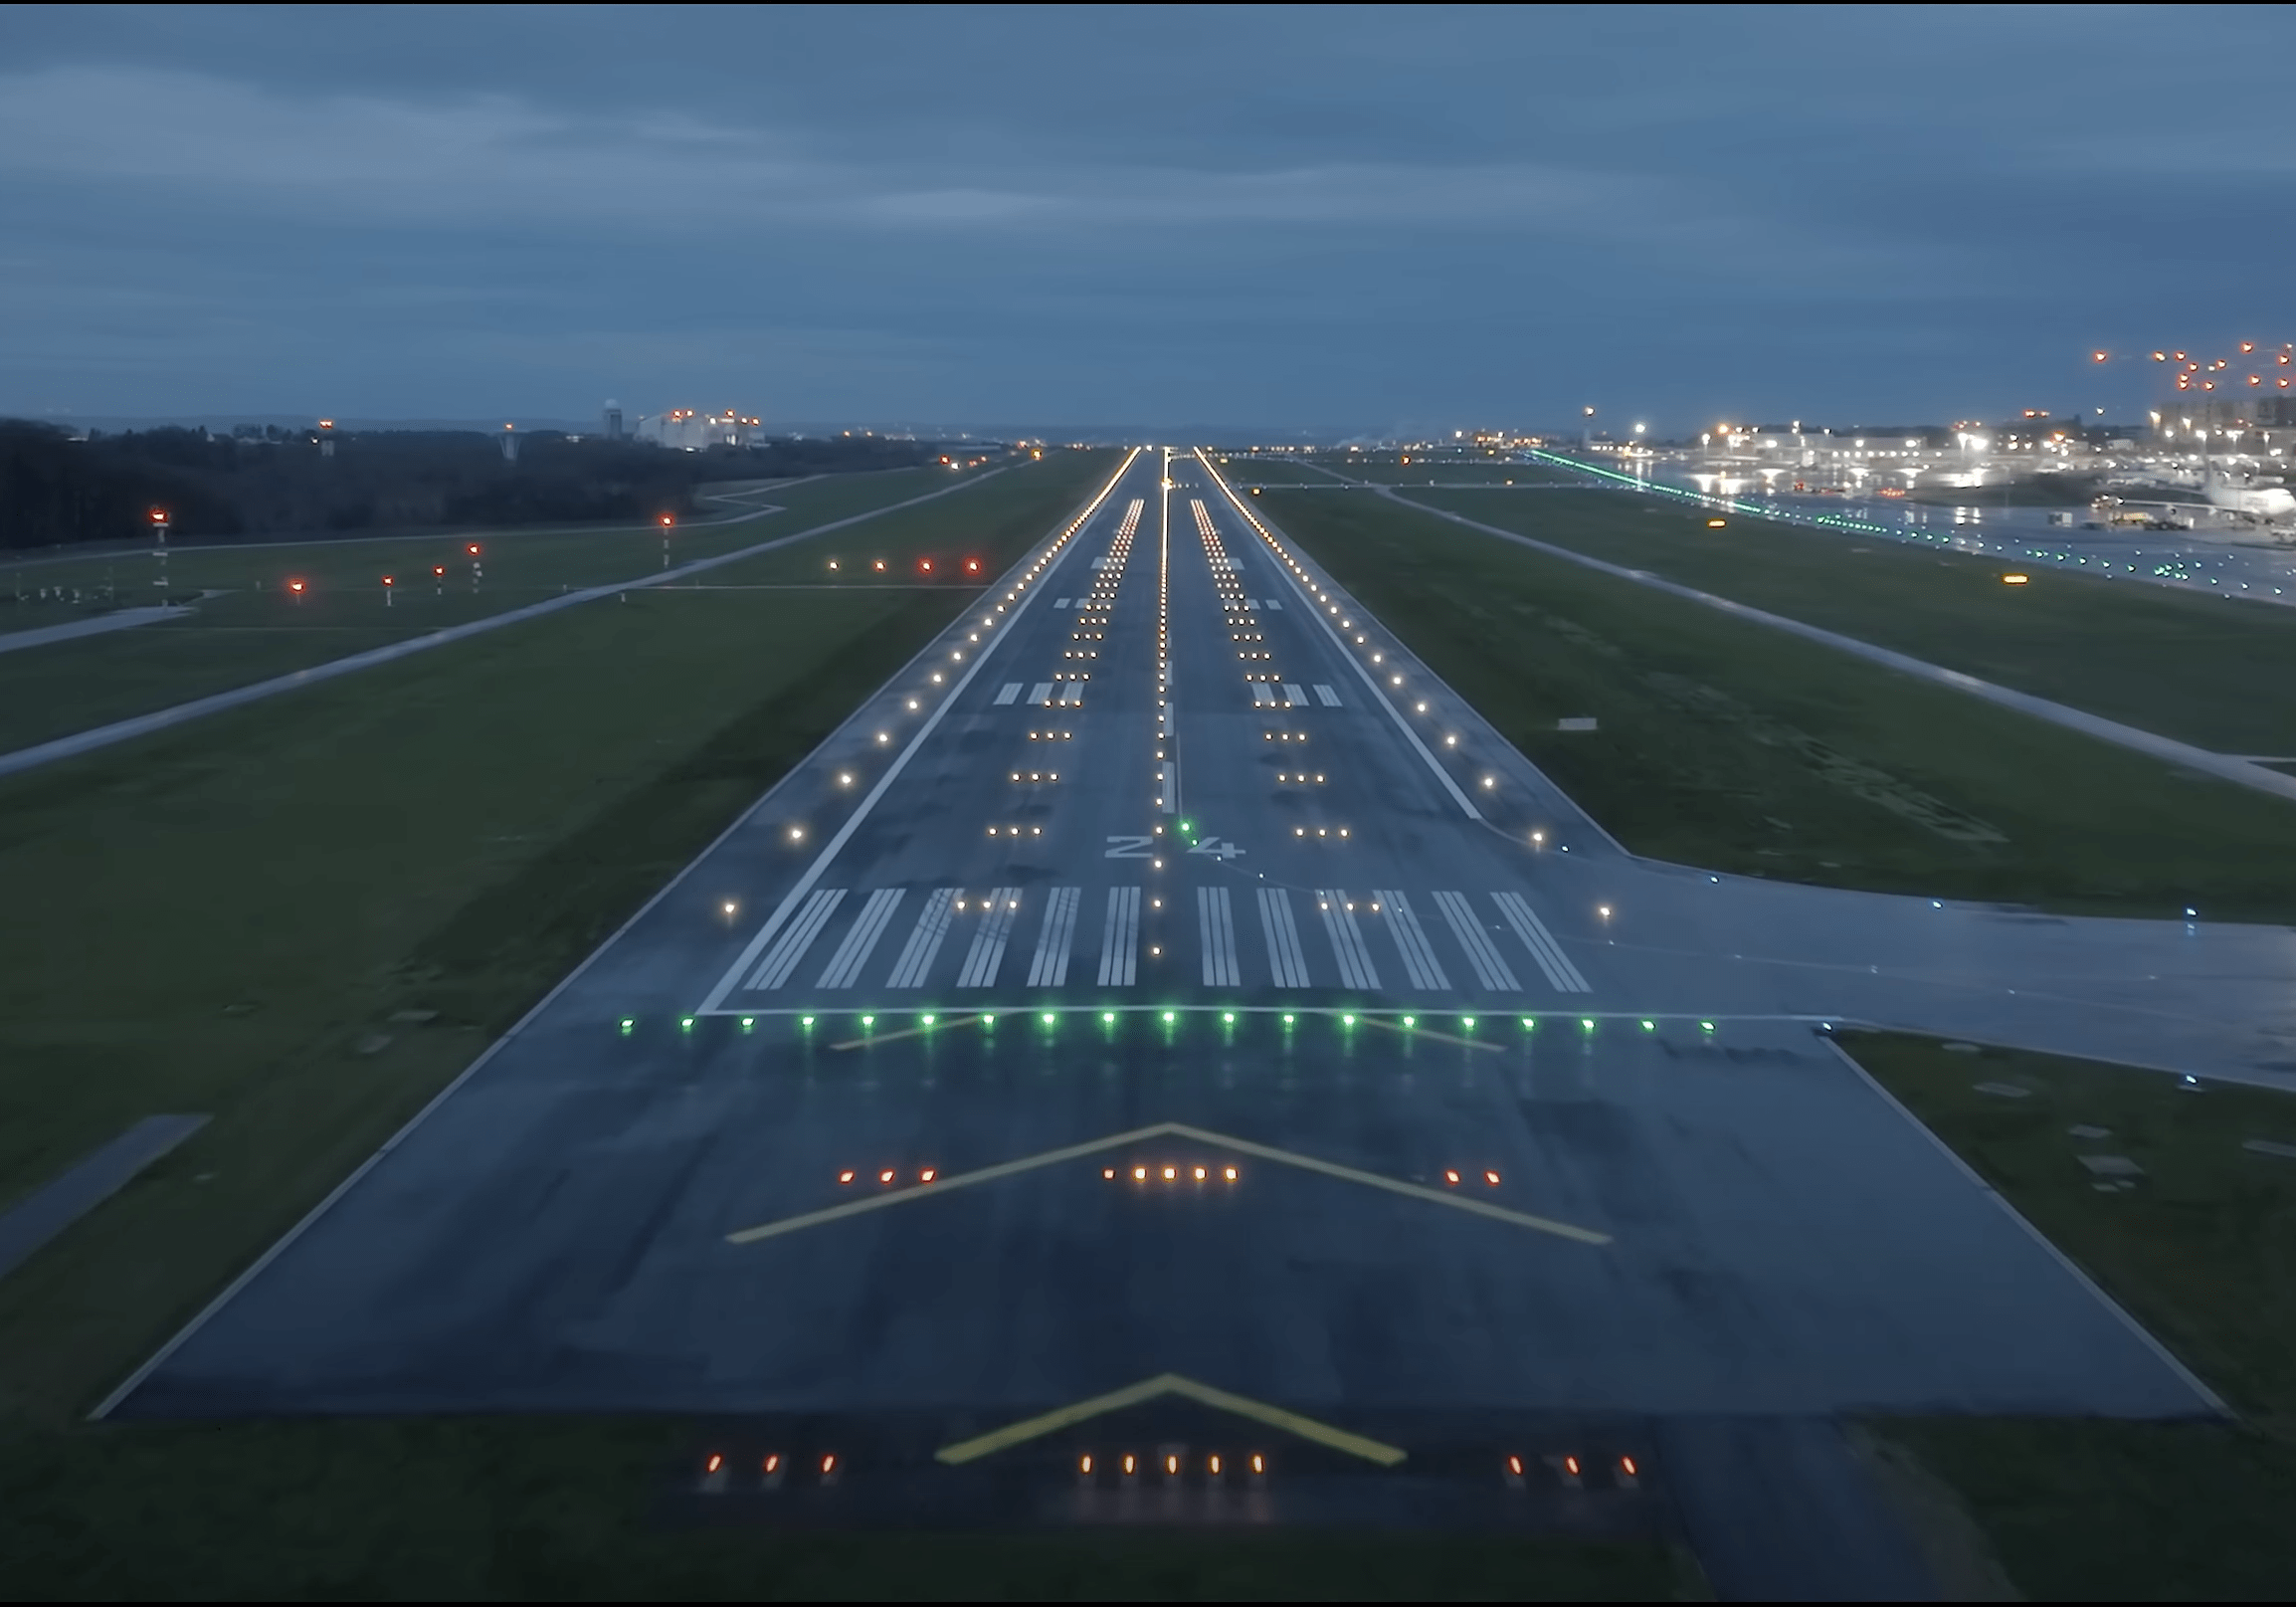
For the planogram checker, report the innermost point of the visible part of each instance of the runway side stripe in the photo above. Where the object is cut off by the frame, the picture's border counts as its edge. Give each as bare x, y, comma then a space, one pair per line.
1491, 968
1216, 924
1284, 957
925, 941
1120, 938
1049, 968
1541, 943
1419, 958
790, 947
854, 953
1355, 967
1010, 690
988, 951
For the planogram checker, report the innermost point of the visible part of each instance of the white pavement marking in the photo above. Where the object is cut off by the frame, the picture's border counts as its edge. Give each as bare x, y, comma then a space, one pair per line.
1355, 967
1049, 970
845, 964
1326, 695
1042, 693
1293, 695
1120, 938
1419, 958
1252, 602
102, 624
925, 941
1262, 694
161, 720
836, 845
988, 951
797, 937
1071, 697
1284, 957
1010, 690
1168, 787
1490, 968
1062, 602
1276, 603
1216, 924
1541, 943
1466, 804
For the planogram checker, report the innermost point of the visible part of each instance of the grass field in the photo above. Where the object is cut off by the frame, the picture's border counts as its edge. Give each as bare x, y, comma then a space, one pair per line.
2200, 1252
1726, 744
2213, 671
258, 628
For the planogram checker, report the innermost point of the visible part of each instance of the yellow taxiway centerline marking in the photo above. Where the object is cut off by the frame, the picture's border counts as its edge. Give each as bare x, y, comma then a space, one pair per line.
1167, 1383
1240, 1146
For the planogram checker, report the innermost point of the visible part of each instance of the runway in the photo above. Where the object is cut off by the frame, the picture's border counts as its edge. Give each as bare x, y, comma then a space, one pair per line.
1165, 975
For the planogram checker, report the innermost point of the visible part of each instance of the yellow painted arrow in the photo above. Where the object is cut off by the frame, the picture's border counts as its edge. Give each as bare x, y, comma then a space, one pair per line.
1148, 1389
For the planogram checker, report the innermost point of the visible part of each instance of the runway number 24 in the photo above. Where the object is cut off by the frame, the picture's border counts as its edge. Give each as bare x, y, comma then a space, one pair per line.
1137, 848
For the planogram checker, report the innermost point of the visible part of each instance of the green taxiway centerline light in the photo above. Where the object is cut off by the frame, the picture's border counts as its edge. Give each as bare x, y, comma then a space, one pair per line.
987, 1021
1530, 1023
869, 1021
1705, 1026
1467, 1023
1228, 1016
1287, 1020
1649, 1026
1108, 1018
1168, 1017
1411, 1021
628, 1021
685, 1023
748, 1022
1046, 1018
1347, 1021
1587, 1023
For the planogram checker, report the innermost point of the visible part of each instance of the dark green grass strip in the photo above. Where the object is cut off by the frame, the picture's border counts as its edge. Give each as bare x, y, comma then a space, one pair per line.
1723, 743
2203, 1251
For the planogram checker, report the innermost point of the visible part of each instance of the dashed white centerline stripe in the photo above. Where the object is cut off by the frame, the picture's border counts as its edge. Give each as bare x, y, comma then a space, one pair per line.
1490, 967
1541, 943
782, 958
854, 953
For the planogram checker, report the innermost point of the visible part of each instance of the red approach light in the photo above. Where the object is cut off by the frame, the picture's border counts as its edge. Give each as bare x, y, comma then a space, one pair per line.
390, 580
715, 1463
927, 564
972, 566
472, 550
438, 568
160, 515
665, 521
885, 1176
845, 1177
295, 586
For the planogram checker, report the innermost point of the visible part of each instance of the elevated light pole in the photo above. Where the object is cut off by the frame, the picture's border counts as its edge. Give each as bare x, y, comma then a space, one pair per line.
667, 522
159, 530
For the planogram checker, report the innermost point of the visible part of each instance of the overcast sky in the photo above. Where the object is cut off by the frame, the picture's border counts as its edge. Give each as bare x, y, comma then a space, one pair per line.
1402, 216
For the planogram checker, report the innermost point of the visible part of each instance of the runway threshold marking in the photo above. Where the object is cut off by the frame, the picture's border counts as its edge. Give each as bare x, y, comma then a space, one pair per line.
1166, 1129
1148, 1389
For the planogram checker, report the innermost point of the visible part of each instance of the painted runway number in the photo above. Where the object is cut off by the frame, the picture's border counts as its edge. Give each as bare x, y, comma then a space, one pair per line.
1127, 848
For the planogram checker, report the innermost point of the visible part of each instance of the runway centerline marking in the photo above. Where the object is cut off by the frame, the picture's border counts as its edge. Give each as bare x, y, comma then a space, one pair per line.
1162, 1129
1148, 1389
